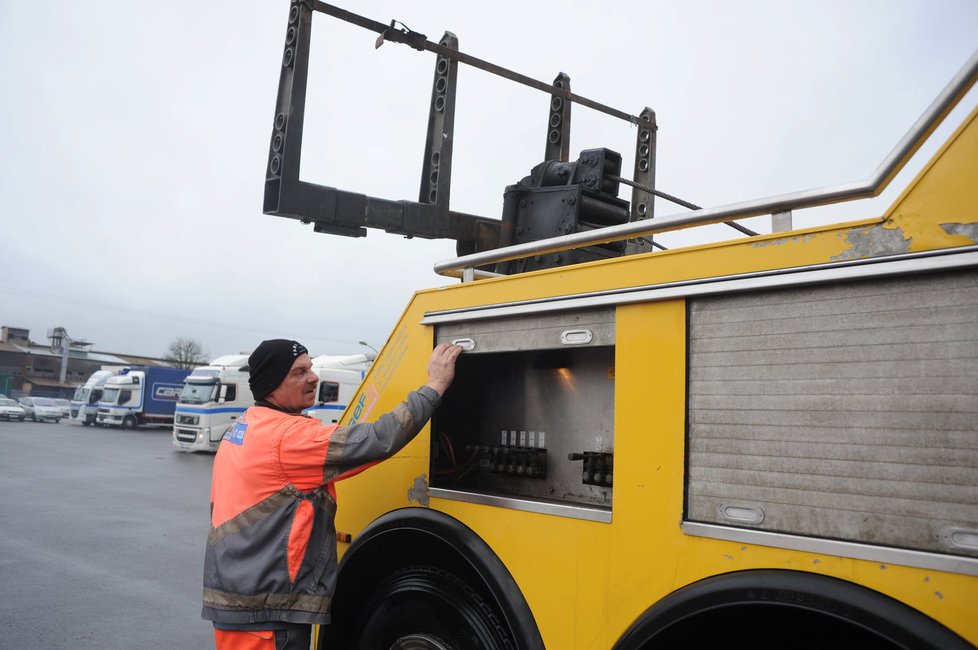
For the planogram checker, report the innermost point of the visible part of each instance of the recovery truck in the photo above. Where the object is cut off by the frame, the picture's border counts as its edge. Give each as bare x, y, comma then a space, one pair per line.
212, 398
339, 378
140, 395
767, 442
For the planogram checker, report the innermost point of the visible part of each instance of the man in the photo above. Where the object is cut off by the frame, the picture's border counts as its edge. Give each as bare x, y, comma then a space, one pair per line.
270, 563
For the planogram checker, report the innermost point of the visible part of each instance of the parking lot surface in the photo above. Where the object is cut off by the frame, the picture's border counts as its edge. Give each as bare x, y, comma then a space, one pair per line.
102, 535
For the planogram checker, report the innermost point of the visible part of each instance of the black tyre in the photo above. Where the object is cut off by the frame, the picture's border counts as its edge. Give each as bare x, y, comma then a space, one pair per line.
427, 608
86, 422
129, 422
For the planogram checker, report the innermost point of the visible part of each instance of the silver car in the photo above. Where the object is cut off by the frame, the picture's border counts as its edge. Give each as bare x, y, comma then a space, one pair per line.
41, 408
65, 407
10, 410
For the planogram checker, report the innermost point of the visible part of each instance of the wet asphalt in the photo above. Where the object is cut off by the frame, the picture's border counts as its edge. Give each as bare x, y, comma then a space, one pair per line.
102, 535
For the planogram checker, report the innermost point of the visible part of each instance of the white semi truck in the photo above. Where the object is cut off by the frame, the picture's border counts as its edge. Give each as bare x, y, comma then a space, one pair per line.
84, 403
213, 398
339, 378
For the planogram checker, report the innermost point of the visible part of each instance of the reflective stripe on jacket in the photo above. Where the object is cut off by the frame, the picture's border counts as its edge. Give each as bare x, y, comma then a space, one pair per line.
271, 552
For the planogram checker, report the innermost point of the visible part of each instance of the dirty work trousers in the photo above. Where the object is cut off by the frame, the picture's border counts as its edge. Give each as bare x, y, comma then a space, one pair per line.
295, 638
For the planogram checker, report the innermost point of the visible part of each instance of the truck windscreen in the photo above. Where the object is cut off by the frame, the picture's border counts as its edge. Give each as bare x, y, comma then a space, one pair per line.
199, 392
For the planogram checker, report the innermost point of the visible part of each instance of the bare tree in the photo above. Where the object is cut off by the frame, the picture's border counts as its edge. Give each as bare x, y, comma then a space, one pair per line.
186, 353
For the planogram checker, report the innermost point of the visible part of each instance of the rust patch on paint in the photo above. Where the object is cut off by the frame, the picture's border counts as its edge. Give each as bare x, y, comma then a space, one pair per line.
418, 493
874, 242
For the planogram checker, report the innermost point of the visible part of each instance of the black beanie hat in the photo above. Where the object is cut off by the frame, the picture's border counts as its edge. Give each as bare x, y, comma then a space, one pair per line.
270, 363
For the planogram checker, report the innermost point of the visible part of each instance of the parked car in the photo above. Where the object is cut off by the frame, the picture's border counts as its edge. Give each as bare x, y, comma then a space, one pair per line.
65, 407
41, 408
10, 410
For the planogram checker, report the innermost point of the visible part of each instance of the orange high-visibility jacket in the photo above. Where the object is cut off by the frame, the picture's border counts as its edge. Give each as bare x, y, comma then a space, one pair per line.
271, 552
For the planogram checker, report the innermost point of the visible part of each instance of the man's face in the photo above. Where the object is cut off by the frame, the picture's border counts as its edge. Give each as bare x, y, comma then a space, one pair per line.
298, 390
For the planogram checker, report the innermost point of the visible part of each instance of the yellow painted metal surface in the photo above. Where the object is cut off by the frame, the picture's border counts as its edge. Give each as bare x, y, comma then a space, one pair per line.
587, 582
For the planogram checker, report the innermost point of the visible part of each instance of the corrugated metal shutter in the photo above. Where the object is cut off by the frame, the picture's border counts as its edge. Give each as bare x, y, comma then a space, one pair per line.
846, 411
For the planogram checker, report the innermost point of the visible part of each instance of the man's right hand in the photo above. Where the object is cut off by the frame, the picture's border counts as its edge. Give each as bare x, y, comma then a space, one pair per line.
441, 366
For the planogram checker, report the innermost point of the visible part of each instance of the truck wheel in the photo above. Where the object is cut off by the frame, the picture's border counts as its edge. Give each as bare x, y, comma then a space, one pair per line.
129, 422
428, 608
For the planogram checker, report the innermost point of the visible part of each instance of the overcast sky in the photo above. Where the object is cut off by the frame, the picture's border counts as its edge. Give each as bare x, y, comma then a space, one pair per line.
135, 137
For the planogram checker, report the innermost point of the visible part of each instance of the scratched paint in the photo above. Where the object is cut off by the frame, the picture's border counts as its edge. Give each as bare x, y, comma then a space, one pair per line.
969, 230
783, 240
877, 241
418, 493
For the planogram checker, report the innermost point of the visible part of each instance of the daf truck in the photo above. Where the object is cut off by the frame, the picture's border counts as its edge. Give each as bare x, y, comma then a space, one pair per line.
212, 399
339, 378
140, 395
765, 442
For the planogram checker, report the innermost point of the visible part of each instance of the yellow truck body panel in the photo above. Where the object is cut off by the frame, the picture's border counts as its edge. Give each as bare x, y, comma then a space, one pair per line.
587, 582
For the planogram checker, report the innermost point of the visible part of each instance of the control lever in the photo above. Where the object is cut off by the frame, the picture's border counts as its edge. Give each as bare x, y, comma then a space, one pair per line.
598, 467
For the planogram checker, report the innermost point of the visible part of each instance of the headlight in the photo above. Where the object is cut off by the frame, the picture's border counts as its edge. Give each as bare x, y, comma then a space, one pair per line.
188, 419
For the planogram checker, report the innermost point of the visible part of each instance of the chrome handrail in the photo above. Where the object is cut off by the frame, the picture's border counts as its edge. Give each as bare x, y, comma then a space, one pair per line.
948, 98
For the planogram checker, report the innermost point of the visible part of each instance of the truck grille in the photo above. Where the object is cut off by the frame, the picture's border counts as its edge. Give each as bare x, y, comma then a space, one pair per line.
186, 435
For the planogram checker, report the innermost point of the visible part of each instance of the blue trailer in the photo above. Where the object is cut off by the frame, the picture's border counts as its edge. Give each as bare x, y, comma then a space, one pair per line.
141, 395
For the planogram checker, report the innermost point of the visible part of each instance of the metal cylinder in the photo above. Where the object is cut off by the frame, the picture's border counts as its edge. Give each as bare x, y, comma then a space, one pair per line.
597, 211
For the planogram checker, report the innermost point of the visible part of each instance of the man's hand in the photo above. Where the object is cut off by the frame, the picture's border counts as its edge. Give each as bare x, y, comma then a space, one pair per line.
441, 366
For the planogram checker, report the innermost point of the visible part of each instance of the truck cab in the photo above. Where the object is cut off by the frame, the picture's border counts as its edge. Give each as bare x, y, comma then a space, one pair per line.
212, 399
339, 378
84, 403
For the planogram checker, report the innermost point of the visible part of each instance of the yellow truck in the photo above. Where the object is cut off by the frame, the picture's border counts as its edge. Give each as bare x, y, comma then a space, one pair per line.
767, 442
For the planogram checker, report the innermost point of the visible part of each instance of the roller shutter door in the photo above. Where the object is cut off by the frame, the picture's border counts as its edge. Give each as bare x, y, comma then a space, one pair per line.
847, 411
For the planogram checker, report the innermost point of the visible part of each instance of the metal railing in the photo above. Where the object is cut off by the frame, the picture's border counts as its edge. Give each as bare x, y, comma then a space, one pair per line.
465, 266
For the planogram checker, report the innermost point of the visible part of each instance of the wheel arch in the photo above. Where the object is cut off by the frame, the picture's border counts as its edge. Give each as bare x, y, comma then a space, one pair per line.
770, 596
414, 535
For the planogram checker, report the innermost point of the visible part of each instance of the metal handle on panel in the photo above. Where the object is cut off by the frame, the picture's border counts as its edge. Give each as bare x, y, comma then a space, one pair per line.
576, 337
465, 344
741, 514
960, 539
